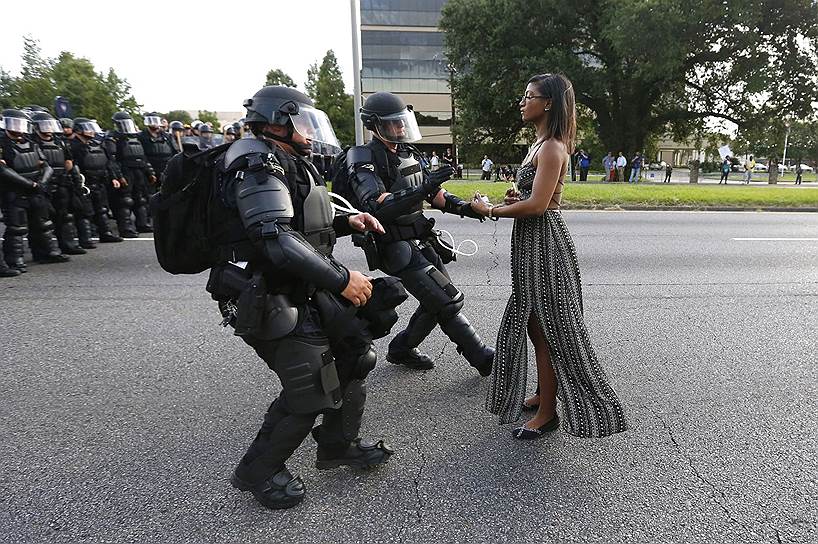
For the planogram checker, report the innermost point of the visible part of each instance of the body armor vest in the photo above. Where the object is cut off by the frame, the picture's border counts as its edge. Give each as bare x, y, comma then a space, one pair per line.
410, 175
157, 150
54, 155
130, 152
317, 215
25, 160
95, 161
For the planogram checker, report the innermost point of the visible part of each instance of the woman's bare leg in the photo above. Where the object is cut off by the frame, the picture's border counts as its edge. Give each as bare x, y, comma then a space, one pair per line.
546, 378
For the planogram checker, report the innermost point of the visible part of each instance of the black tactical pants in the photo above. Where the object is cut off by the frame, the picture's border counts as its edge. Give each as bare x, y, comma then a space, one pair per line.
122, 204
425, 277
27, 215
283, 429
140, 193
68, 211
99, 203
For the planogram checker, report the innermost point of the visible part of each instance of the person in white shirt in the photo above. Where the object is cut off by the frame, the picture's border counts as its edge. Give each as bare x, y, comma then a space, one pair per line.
435, 161
486, 167
621, 161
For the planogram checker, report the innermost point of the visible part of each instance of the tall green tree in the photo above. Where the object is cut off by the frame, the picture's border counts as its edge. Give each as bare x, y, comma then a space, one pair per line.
642, 67
179, 115
278, 77
325, 85
90, 93
206, 116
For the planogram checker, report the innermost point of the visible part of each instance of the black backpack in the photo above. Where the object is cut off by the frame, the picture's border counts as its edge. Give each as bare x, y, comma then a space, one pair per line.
180, 212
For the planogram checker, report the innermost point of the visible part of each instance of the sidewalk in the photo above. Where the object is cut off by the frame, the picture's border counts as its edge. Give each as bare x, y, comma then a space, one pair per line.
760, 179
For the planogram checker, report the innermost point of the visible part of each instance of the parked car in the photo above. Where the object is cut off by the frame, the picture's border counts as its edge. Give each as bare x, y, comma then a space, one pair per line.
782, 168
760, 167
805, 168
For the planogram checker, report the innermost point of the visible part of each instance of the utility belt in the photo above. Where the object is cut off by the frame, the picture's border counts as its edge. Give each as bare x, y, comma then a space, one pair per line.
134, 163
322, 241
248, 306
417, 229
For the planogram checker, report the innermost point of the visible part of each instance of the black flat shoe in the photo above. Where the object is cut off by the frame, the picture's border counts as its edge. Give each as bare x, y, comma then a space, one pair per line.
523, 433
280, 491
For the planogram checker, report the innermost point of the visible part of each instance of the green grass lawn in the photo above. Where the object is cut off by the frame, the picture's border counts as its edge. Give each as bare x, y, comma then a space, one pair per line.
608, 195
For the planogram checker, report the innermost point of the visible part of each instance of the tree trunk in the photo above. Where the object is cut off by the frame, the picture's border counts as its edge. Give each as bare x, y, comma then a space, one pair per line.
772, 171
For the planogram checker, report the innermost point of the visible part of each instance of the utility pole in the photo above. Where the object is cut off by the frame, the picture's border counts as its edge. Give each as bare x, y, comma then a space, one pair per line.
356, 69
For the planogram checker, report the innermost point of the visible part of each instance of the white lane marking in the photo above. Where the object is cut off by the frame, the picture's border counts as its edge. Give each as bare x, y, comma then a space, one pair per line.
775, 239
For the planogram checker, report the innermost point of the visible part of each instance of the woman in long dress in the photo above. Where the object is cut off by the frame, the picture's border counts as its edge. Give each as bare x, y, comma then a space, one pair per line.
546, 298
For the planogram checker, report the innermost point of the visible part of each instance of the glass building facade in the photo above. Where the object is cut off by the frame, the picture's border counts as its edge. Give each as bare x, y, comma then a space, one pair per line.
402, 52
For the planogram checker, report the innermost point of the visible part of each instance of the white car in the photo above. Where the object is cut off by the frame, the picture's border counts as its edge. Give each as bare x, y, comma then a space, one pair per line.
760, 167
782, 168
805, 168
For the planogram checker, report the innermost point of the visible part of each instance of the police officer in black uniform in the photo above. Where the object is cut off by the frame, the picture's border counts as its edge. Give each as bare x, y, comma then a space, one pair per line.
158, 145
26, 213
389, 181
134, 173
11, 181
95, 164
177, 132
278, 232
65, 187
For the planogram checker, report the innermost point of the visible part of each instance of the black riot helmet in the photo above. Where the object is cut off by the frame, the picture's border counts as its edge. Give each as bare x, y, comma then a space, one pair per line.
176, 125
124, 123
66, 123
290, 108
390, 118
35, 108
45, 124
86, 127
16, 123
152, 120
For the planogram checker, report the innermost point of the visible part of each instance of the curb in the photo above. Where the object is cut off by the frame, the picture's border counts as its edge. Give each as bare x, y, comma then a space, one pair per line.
627, 207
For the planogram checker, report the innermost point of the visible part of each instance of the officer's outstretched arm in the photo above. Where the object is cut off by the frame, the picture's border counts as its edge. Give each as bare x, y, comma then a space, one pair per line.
456, 205
266, 209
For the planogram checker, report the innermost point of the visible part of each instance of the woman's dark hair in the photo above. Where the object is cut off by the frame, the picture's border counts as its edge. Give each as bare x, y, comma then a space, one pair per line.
562, 121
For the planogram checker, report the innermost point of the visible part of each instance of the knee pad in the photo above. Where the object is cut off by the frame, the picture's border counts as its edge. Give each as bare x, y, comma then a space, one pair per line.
16, 230
365, 364
127, 202
309, 377
435, 292
452, 309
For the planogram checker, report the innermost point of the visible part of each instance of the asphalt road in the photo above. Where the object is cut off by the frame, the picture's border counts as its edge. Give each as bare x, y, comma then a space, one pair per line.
124, 406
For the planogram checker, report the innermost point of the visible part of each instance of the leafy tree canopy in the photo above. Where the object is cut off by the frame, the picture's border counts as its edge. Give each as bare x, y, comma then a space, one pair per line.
278, 77
325, 85
642, 67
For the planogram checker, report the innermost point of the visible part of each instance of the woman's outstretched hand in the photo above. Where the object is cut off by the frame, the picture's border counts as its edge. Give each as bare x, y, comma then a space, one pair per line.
512, 196
479, 205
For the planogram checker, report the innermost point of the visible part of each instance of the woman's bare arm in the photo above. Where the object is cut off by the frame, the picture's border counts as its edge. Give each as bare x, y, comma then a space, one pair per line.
549, 162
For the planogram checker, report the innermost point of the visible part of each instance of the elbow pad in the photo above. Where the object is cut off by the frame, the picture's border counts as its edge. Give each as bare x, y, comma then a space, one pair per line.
455, 205
288, 250
13, 179
364, 182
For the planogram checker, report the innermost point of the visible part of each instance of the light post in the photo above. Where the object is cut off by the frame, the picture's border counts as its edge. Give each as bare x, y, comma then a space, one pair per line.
356, 70
786, 143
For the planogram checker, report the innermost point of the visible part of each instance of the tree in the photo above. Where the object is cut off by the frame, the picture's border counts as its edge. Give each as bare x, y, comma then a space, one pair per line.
206, 116
278, 77
641, 67
325, 85
179, 115
89, 92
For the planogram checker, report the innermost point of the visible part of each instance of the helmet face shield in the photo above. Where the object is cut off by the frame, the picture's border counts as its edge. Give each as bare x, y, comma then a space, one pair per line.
314, 125
153, 121
88, 128
18, 124
49, 126
398, 128
126, 126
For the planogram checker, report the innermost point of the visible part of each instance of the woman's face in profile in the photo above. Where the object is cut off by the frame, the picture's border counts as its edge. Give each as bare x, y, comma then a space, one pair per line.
532, 104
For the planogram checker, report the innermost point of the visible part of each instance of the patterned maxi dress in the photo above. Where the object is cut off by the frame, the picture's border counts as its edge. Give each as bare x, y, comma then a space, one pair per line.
546, 281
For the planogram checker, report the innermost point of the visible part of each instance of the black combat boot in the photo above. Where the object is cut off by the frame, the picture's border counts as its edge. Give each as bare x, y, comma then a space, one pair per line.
400, 354
282, 490
360, 453
84, 234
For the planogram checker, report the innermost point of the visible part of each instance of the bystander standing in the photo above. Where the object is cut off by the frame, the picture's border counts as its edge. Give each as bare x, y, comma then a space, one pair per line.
621, 162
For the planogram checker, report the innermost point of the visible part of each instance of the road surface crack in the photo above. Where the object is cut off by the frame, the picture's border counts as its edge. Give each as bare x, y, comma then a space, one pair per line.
699, 476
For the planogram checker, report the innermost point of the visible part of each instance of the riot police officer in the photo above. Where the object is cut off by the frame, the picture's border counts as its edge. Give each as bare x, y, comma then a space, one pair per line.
177, 132
11, 181
65, 189
134, 173
389, 181
157, 144
26, 213
279, 232
95, 164
67, 127
205, 136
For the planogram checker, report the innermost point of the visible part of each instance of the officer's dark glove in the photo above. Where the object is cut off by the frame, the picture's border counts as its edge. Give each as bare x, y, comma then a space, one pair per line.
434, 180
